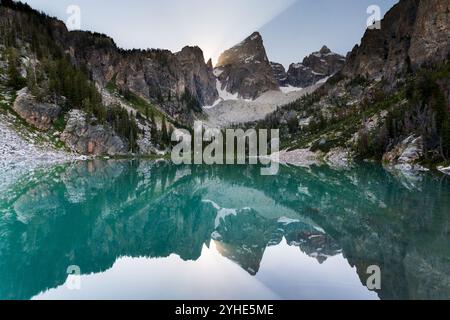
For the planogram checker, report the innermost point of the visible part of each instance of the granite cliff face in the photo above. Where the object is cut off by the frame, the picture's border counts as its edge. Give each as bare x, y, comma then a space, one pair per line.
413, 33
159, 76
198, 75
245, 69
280, 73
314, 67
168, 80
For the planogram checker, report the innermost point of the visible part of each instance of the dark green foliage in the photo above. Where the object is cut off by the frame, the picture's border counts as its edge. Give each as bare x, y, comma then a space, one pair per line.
165, 139
67, 81
425, 113
154, 130
15, 80
191, 102
123, 124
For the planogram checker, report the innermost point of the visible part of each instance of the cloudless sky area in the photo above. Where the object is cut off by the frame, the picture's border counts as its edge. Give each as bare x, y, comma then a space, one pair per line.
291, 29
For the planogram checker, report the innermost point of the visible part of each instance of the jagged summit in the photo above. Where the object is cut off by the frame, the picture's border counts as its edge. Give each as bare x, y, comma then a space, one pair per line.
325, 50
244, 70
315, 67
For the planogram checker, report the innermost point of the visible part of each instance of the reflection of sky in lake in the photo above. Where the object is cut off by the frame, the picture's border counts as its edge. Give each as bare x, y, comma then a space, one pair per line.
286, 273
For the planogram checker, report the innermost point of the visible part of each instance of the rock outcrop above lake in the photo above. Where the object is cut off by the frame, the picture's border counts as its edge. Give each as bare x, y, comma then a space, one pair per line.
83, 137
406, 154
38, 114
245, 69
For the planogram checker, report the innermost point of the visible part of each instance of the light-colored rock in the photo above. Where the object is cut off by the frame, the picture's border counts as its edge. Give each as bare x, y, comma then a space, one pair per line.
38, 114
231, 112
20, 155
445, 170
405, 155
338, 158
299, 157
85, 138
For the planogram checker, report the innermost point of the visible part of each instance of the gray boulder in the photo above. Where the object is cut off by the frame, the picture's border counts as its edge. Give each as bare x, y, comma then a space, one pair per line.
38, 114
85, 138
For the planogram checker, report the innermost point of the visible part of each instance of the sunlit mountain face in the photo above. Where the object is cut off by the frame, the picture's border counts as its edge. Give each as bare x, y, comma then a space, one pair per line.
140, 229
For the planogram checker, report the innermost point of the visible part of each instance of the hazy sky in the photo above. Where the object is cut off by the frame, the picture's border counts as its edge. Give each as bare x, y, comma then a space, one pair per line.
291, 29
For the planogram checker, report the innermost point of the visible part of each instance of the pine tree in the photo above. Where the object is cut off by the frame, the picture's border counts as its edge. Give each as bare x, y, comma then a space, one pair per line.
15, 79
153, 130
164, 134
32, 82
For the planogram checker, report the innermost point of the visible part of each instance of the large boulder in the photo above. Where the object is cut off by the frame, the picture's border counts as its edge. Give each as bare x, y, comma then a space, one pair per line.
406, 155
38, 114
85, 138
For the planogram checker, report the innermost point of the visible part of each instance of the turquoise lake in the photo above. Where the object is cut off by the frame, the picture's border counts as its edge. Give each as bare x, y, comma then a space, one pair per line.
154, 230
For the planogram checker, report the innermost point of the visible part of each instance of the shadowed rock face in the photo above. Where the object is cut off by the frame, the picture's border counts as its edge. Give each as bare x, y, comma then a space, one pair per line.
412, 33
245, 69
198, 74
159, 76
280, 73
40, 115
314, 67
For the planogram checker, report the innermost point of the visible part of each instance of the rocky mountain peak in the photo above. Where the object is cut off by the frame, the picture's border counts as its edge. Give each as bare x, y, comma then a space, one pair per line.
412, 33
325, 50
245, 69
199, 78
280, 73
192, 52
315, 67
250, 50
209, 64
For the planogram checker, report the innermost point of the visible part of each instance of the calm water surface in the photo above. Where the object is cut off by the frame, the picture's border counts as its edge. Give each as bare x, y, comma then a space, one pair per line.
146, 230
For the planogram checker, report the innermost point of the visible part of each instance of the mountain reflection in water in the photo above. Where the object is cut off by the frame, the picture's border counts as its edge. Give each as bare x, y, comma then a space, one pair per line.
153, 230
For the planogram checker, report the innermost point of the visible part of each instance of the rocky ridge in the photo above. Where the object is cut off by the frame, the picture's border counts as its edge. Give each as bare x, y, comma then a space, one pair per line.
245, 69
412, 33
314, 68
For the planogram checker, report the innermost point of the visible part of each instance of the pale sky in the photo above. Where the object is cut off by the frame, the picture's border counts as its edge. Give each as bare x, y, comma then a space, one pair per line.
291, 29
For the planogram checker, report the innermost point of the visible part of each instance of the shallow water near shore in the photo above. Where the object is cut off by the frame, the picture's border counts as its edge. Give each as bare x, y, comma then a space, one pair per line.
154, 230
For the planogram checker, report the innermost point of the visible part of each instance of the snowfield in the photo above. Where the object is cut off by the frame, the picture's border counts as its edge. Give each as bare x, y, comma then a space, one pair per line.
229, 110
